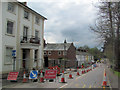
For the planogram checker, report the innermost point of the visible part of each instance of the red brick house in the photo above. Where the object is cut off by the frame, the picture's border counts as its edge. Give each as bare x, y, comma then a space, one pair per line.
61, 54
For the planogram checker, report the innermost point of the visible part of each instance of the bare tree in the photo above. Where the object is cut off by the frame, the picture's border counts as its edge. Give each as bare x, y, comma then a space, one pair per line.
107, 26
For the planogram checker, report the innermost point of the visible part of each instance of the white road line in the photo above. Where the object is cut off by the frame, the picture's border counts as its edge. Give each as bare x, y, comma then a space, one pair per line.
80, 76
63, 85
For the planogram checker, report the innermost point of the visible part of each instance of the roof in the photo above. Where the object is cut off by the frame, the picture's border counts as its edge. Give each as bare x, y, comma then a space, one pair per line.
25, 6
83, 53
58, 46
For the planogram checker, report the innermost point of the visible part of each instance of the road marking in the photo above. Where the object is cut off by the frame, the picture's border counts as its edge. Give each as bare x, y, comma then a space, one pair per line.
80, 76
84, 86
63, 85
90, 86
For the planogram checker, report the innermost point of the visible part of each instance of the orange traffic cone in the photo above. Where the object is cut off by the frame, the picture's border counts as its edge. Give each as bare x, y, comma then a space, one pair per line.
82, 71
104, 84
62, 78
41, 77
70, 75
24, 78
78, 72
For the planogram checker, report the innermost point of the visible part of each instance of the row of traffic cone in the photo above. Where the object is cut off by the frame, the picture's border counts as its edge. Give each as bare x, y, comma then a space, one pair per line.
25, 79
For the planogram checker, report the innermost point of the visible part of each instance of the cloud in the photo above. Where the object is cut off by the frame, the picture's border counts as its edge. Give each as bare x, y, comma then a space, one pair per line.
68, 19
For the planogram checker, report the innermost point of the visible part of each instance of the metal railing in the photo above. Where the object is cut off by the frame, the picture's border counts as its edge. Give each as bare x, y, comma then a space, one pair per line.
30, 39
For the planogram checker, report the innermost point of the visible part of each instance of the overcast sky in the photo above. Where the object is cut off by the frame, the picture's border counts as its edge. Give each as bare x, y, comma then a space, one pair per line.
68, 19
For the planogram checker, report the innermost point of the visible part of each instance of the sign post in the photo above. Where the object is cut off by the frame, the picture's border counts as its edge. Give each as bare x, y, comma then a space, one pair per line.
14, 58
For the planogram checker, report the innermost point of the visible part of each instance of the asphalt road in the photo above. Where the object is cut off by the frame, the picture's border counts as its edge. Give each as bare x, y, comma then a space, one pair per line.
91, 79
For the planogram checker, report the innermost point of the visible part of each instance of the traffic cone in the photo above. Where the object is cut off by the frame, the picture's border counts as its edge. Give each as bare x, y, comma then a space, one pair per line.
24, 78
82, 71
70, 75
41, 77
78, 72
104, 84
62, 78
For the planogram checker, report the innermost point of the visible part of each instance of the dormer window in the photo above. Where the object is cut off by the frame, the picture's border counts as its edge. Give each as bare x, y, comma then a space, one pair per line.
26, 15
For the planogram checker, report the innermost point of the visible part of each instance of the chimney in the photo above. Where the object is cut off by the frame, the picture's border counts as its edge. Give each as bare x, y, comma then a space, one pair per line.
25, 3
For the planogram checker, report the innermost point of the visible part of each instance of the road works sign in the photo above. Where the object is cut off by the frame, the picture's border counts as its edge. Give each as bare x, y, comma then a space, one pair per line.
12, 76
33, 74
50, 74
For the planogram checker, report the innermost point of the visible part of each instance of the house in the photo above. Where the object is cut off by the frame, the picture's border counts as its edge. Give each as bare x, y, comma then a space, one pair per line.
83, 57
22, 33
61, 54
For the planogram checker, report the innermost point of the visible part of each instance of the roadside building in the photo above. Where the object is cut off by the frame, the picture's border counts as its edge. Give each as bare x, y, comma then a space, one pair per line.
23, 32
83, 57
61, 54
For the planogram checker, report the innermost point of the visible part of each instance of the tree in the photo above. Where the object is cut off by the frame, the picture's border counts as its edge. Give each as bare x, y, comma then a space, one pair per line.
107, 26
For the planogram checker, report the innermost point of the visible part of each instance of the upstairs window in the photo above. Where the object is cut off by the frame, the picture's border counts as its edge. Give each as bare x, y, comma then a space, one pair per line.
11, 7
36, 34
37, 20
45, 53
10, 26
49, 53
59, 53
26, 15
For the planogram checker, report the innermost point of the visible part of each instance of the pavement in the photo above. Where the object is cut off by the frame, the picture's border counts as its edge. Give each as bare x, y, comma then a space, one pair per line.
114, 79
91, 79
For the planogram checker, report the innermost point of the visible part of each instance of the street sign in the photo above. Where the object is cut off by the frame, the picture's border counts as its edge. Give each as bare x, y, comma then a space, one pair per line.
12, 75
13, 53
50, 74
33, 74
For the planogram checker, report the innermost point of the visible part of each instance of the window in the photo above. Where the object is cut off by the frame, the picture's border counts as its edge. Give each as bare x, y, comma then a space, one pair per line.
59, 52
37, 20
26, 15
49, 53
10, 26
25, 31
36, 55
36, 33
11, 7
8, 59
45, 53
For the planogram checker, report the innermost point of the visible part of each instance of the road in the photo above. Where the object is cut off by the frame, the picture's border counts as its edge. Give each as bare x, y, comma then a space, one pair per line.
91, 79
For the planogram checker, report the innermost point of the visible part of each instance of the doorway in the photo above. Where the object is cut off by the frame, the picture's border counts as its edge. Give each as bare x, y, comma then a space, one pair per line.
26, 58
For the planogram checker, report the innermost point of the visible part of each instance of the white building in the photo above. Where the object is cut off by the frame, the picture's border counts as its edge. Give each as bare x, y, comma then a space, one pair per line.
83, 57
22, 30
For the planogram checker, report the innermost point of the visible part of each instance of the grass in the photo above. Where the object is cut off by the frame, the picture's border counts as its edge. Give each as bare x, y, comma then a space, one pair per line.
115, 72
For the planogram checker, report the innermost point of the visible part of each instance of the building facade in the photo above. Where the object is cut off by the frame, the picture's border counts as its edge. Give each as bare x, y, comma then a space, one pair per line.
61, 54
22, 32
83, 57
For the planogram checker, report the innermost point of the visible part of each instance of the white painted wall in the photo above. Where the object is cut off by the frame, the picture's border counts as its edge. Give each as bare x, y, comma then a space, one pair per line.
8, 40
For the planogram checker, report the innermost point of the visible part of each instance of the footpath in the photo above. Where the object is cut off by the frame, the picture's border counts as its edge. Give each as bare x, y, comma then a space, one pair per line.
114, 79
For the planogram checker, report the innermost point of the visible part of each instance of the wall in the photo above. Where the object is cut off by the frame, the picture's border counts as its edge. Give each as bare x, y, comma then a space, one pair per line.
1, 38
71, 55
8, 40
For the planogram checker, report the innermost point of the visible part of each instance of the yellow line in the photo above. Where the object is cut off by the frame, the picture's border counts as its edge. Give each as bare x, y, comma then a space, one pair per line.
84, 86
90, 86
